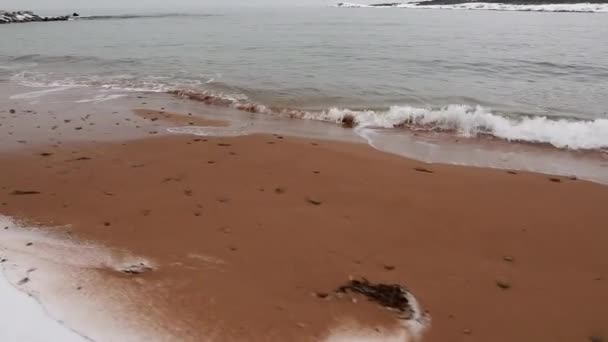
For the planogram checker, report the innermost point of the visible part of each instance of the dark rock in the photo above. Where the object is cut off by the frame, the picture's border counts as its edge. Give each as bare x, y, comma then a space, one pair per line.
503, 284
23, 281
389, 267
12, 111
348, 121
555, 180
29, 244
421, 169
313, 201
24, 192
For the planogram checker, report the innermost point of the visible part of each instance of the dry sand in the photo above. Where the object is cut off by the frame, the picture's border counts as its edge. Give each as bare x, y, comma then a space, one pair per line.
246, 231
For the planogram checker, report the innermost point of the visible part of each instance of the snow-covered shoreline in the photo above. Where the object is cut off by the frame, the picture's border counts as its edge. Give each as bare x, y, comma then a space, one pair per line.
575, 7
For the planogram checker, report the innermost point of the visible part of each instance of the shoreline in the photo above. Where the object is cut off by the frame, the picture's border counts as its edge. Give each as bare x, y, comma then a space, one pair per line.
331, 211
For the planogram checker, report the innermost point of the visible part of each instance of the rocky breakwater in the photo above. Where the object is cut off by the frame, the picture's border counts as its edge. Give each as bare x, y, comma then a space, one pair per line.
28, 16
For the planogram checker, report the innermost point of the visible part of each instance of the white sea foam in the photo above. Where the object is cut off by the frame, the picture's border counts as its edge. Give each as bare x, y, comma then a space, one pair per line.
39, 93
102, 98
578, 7
470, 121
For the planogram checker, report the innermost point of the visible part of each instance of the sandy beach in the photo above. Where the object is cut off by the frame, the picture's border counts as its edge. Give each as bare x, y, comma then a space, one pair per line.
251, 236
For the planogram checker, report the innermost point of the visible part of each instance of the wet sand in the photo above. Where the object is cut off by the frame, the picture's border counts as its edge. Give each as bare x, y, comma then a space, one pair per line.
248, 233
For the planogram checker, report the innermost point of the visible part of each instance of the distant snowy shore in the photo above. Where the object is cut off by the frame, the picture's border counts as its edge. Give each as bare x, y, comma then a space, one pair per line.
533, 6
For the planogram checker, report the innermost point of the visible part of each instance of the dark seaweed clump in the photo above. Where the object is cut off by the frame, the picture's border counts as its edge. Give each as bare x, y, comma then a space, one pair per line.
390, 296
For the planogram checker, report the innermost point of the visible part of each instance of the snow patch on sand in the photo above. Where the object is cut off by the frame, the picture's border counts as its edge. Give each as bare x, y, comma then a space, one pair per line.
59, 290
23, 319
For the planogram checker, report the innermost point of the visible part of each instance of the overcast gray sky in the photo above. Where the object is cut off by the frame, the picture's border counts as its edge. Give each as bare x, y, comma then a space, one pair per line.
84, 5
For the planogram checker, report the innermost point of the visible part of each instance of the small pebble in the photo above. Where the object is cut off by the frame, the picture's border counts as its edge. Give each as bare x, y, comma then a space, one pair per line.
503, 284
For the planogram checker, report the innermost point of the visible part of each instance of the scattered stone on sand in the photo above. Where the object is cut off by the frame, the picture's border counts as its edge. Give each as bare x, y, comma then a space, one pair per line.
197, 214
573, 178
393, 296
313, 201
555, 180
596, 339
503, 284
508, 258
467, 331
512, 172
78, 128
270, 143
389, 267
29, 244
188, 192
45, 154
314, 144
210, 162
279, 190
421, 169
80, 159
316, 172
3, 260
232, 248
136, 269
25, 192
107, 224
23, 281
322, 295
12, 111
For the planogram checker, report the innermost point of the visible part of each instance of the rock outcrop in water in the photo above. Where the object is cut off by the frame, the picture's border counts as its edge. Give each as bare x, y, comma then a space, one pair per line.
27, 16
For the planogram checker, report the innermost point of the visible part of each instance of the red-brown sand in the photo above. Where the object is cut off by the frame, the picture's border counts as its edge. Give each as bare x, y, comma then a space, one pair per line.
246, 231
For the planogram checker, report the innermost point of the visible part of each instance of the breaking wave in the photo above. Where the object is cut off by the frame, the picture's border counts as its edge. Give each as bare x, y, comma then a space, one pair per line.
574, 7
463, 120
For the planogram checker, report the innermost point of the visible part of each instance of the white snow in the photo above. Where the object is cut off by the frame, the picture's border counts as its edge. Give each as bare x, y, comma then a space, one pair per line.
578, 7
22, 319
51, 291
